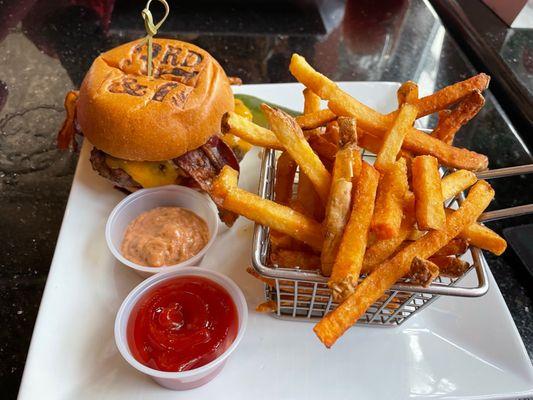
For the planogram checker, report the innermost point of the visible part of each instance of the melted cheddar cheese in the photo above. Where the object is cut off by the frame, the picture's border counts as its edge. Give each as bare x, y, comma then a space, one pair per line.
147, 173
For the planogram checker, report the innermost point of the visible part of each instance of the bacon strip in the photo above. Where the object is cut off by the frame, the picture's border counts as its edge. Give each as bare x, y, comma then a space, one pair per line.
65, 137
204, 164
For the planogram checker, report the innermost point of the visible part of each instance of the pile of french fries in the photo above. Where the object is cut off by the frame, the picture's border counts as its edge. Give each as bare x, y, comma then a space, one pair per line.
366, 226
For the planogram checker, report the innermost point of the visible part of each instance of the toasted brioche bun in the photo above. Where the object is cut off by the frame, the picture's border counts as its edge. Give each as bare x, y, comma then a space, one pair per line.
130, 116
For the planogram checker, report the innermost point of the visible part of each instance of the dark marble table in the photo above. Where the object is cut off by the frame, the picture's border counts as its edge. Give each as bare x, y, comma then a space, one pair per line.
46, 47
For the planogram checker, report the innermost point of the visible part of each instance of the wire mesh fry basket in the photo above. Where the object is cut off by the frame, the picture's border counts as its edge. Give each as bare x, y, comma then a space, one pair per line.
304, 295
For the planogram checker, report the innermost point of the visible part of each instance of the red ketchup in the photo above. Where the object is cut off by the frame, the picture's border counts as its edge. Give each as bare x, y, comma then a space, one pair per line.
182, 324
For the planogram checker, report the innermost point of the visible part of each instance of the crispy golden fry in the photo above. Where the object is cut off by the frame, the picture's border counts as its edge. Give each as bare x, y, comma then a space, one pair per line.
245, 129
349, 260
295, 259
407, 93
307, 200
429, 202
451, 122
388, 212
415, 234
373, 144
442, 115
290, 135
456, 182
450, 95
370, 120
347, 166
311, 102
455, 247
334, 324
315, 119
423, 272
332, 132
280, 240
285, 172
393, 139
480, 236
451, 267
383, 249
484, 238
323, 147
311, 105
265, 212
328, 90
269, 306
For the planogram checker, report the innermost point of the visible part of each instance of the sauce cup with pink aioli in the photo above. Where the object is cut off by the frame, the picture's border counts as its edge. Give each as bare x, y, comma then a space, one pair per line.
142, 203
127, 314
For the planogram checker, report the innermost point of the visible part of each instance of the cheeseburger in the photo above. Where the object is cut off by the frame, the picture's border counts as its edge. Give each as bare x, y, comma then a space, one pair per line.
153, 131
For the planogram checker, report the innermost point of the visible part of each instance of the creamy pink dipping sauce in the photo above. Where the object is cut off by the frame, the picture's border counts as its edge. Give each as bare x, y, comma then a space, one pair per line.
164, 236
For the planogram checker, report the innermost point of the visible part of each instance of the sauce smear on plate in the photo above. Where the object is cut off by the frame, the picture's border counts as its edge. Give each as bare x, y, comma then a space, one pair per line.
182, 324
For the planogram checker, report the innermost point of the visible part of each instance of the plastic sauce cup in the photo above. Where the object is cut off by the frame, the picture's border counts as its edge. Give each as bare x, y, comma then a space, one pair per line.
194, 377
147, 199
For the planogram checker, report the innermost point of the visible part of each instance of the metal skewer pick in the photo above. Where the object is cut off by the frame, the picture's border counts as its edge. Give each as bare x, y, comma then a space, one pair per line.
151, 30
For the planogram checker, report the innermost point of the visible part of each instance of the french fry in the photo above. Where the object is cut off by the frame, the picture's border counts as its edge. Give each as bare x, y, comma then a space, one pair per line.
245, 129
349, 260
416, 234
428, 193
315, 119
388, 212
280, 240
312, 105
381, 250
332, 132
484, 238
456, 182
290, 135
285, 172
323, 147
347, 166
422, 272
307, 200
480, 236
373, 144
451, 122
450, 267
450, 95
393, 139
442, 115
334, 324
269, 306
266, 212
328, 90
311, 102
407, 93
416, 141
295, 259
455, 247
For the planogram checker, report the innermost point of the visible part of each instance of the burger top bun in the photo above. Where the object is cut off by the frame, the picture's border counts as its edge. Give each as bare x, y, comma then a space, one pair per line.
130, 116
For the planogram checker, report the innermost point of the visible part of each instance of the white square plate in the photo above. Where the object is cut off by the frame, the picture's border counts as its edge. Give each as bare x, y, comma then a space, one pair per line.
457, 348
